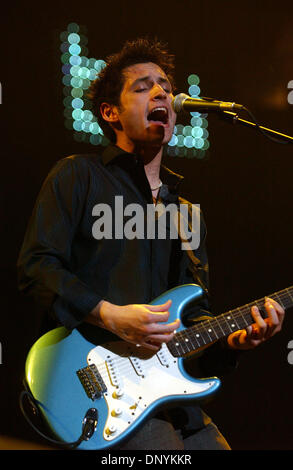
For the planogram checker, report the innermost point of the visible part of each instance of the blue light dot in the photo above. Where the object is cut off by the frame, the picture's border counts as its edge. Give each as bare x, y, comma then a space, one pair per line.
77, 114
96, 139
76, 82
92, 74
199, 143
75, 60
66, 69
67, 101
73, 38
194, 90
173, 141
195, 114
74, 49
64, 47
205, 133
77, 125
83, 72
86, 126
77, 103
178, 129
189, 141
65, 58
66, 80
187, 130
88, 115
197, 132
85, 83
74, 71
77, 92
180, 141
91, 63
73, 28
94, 128
193, 79
84, 61
196, 121
99, 65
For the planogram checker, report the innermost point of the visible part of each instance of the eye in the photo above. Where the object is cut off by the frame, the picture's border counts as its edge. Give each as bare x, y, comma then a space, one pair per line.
139, 90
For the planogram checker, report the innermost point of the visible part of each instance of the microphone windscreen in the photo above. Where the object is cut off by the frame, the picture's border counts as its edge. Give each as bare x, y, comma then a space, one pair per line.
178, 102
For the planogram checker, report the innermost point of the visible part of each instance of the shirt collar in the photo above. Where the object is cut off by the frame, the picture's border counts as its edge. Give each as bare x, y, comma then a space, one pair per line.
168, 176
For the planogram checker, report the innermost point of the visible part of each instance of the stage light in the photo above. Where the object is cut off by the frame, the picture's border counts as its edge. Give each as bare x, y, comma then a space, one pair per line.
193, 79
79, 71
191, 139
73, 38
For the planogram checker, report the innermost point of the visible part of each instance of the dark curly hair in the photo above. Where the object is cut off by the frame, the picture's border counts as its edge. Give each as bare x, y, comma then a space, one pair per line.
109, 84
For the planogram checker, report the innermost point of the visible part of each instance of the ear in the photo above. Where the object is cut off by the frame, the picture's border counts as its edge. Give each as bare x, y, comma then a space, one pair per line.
109, 112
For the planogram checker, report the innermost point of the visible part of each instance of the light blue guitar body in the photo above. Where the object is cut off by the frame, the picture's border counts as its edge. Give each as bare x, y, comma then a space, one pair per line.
123, 383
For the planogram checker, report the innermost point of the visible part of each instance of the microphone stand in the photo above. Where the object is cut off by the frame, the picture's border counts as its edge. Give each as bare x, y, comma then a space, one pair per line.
235, 119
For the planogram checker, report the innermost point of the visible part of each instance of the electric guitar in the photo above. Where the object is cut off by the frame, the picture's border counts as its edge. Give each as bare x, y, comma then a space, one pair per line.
102, 390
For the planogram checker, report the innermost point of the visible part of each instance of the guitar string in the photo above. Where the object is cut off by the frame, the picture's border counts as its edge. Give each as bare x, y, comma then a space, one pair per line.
117, 359
223, 317
222, 320
108, 375
202, 327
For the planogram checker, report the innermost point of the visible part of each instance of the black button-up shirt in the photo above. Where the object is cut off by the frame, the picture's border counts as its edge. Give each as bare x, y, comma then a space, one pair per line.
68, 271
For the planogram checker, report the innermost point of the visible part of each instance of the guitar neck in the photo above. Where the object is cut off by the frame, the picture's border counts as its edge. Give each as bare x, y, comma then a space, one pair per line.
209, 331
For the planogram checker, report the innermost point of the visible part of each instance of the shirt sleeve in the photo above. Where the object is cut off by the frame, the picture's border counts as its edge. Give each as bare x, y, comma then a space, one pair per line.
44, 270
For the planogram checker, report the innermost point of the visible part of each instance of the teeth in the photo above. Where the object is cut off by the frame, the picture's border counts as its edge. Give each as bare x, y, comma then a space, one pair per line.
159, 109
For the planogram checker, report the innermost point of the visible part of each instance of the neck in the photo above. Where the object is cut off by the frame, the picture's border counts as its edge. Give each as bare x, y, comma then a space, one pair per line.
151, 156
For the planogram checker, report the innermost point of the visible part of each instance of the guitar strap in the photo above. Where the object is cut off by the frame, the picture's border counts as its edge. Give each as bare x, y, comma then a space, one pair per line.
198, 270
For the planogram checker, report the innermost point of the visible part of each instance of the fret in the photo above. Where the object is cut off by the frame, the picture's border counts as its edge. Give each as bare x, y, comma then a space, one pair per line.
230, 322
284, 297
290, 295
222, 331
278, 299
188, 341
242, 319
201, 339
211, 331
180, 351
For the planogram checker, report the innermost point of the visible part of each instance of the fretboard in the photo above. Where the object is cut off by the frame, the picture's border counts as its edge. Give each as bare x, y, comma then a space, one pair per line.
209, 331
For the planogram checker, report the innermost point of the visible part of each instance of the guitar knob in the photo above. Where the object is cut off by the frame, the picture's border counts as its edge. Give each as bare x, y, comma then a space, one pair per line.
111, 429
116, 412
118, 393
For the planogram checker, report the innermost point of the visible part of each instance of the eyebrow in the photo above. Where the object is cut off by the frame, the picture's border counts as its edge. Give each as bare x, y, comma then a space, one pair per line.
147, 78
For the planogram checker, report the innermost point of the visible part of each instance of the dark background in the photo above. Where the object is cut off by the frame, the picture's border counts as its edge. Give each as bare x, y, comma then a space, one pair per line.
242, 53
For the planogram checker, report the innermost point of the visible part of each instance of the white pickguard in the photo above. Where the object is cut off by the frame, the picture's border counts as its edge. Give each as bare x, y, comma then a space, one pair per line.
136, 378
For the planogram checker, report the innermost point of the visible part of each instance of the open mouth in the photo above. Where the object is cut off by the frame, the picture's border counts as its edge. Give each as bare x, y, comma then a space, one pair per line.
158, 115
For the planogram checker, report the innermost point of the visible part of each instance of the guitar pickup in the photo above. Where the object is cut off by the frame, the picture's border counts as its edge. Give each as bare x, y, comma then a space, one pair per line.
92, 381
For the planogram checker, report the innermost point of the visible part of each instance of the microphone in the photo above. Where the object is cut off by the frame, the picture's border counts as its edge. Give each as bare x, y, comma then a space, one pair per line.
184, 102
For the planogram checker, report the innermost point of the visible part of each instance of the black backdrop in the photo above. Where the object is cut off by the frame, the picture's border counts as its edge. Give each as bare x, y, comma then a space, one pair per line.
242, 53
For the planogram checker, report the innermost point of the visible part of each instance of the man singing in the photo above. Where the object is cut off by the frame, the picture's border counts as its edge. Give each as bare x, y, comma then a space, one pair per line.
108, 284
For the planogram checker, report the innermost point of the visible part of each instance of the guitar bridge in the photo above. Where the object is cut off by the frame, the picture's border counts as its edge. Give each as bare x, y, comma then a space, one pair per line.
92, 381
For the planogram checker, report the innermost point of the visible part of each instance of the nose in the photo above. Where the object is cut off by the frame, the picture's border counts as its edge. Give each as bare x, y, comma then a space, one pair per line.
159, 92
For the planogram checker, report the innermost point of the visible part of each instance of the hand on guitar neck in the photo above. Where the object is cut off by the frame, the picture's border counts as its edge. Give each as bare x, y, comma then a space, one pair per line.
261, 330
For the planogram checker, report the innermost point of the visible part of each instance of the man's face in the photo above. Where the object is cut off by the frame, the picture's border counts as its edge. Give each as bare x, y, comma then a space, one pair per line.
145, 114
